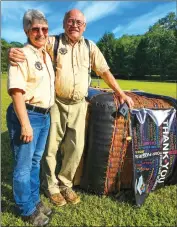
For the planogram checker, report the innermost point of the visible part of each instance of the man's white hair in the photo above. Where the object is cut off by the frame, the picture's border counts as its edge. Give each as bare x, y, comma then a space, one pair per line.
67, 15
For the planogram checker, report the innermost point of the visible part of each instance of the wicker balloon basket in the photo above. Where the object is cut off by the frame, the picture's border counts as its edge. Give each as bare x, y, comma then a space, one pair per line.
108, 163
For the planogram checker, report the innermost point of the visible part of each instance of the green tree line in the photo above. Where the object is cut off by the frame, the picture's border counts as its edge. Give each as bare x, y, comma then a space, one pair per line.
143, 56
152, 56
4, 52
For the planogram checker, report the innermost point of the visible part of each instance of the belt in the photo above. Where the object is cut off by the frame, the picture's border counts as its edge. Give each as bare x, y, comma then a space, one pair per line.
37, 109
69, 101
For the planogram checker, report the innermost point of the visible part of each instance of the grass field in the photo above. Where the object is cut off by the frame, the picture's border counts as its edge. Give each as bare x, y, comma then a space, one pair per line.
162, 88
159, 209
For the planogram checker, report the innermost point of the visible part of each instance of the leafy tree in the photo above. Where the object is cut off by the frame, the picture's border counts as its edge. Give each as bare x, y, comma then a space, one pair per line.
162, 47
4, 53
172, 66
154, 53
16, 44
107, 46
134, 56
127, 46
168, 22
160, 50
141, 60
4, 61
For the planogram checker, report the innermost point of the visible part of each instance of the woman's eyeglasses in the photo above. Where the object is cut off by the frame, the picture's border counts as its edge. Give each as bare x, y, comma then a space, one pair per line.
79, 23
36, 30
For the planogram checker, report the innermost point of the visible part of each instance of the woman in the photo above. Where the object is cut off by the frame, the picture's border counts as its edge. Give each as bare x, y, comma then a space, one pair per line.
28, 118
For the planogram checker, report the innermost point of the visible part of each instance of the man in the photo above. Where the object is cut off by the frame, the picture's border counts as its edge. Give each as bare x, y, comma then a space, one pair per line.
68, 114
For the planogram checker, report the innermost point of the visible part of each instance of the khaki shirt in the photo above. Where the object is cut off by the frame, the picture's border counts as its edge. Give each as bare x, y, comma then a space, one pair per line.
34, 78
72, 63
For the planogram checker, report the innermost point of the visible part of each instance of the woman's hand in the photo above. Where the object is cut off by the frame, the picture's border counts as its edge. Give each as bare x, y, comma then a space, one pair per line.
21, 112
26, 133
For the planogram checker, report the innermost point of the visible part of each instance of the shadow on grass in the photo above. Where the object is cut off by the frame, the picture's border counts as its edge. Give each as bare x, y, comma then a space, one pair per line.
124, 196
7, 202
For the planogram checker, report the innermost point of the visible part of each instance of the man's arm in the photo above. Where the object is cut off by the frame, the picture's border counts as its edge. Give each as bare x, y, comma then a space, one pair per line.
16, 55
101, 68
112, 83
20, 110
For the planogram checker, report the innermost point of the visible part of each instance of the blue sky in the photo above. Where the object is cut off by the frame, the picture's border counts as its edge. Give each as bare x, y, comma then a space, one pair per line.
119, 17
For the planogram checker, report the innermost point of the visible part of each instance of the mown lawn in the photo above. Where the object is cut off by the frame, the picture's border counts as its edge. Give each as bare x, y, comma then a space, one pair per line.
159, 209
162, 88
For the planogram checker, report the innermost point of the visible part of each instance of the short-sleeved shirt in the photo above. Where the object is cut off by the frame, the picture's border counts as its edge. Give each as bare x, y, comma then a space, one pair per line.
34, 78
72, 64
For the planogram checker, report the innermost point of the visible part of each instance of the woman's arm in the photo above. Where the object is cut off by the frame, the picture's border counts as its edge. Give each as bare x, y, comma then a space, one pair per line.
20, 110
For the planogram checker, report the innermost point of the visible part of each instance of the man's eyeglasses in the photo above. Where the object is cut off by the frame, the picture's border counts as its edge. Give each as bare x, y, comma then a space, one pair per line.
79, 23
35, 30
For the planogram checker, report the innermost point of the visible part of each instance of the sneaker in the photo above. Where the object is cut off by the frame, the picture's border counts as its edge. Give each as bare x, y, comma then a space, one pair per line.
70, 196
37, 219
44, 209
57, 198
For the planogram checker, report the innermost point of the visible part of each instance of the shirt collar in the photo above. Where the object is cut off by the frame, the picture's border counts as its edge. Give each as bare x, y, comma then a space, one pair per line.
34, 48
68, 39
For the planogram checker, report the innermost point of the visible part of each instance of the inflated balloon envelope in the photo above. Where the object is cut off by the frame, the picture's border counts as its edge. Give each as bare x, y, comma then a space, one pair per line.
136, 150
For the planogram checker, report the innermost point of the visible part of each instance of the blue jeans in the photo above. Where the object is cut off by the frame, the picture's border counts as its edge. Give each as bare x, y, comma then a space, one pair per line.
27, 157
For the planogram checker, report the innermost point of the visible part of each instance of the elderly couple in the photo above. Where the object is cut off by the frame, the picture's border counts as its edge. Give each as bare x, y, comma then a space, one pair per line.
35, 111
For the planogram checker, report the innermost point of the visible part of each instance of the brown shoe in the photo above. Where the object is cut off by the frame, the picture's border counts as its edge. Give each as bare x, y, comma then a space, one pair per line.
56, 199
70, 196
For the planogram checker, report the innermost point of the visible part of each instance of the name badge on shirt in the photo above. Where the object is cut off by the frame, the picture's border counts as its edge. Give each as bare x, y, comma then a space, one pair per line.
63, 51
38, 65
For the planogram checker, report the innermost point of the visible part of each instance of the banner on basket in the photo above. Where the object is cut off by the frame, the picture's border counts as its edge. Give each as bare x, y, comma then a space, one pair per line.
154, 148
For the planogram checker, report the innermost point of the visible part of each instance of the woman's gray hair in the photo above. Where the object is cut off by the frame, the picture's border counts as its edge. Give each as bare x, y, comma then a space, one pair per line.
30, 16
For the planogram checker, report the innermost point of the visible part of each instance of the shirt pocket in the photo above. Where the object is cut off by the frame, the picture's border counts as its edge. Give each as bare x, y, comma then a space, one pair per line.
85, 63
59, 60
84, 58
35, 73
